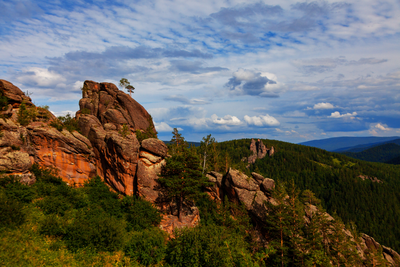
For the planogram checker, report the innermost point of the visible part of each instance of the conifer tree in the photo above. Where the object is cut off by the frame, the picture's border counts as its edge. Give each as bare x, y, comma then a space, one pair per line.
177, 144
181, 176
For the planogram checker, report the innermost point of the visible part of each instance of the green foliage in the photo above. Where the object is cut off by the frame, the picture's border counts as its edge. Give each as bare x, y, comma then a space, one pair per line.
3, 102
148, 247
11, 212
337, 185
13, 189
208, 153
94, 229
208, 246
53, 225
66, 122
26, 114
150, 132
140, 214
99, 194
177, 144
43, 113
124, 131
54, 205
85, 111
182, 179
124, 83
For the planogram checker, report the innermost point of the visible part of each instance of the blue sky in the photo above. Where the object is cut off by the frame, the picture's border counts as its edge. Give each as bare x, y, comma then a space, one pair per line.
285, 70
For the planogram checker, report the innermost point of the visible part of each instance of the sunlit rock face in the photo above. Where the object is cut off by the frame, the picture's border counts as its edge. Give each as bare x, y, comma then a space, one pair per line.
106, 145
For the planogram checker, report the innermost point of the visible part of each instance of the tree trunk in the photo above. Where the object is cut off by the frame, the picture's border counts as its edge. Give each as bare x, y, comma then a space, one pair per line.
180, 208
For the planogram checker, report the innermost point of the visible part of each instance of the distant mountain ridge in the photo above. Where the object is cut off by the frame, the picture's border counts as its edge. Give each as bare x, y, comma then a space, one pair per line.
337, 144
382, 153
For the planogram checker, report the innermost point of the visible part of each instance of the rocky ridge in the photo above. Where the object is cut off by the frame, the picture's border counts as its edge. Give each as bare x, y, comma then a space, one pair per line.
259, 151
256, 192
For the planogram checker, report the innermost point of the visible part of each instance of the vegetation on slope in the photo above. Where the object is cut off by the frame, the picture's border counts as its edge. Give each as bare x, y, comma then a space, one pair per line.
334, 178
382, 153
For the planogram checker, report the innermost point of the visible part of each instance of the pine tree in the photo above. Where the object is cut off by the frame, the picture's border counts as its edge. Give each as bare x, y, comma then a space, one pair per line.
182, 178
177, 144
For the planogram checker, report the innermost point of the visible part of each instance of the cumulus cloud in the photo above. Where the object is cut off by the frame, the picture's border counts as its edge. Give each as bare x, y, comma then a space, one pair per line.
263, 120
337, 115
162, 127
248, 82
226, 120
382, 127
322, 105
40, 77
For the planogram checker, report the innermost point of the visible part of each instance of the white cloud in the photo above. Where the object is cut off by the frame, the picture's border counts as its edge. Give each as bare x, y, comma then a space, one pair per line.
323, 106
381, 127
262, 120
337, 115
162, 127
226, 120
41, 77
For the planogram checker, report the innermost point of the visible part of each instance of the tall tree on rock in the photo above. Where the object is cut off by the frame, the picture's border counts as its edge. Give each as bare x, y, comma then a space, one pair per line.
124, 83
177, 144
181, 176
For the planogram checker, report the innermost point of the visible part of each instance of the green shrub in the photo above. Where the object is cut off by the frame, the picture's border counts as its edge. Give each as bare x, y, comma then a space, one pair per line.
3, 102
140, 214
11, 213
15, 190
150, 132
85, 111
147, 247
66, 122
100, 194
208, 246
52, 226
57, 124
26, 115
124, 131
94, 229
54, 205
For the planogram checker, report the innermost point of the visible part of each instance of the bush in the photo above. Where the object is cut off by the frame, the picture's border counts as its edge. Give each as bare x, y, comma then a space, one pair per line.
99, 194
208, 246
52, 226
95, 229
140, 214
66, 122
16, 190
26, 115
54, 205
3, 102
11, 213
147, 247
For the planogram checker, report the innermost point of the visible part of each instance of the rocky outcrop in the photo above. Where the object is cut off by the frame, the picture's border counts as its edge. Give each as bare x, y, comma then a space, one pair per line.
106, 145
259, 151
256, 192
369, 245
14, 95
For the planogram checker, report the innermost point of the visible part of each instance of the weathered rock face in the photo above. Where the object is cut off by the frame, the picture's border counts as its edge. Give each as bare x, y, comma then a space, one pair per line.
110, 105
14, 94
259, 151
368, 245
107, 145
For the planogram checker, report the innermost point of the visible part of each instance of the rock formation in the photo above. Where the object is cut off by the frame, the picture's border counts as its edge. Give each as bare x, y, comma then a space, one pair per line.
107, 145
256, 191
259, 151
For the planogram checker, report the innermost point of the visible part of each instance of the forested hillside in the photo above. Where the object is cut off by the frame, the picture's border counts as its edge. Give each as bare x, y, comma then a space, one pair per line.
382, 153
336, 179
